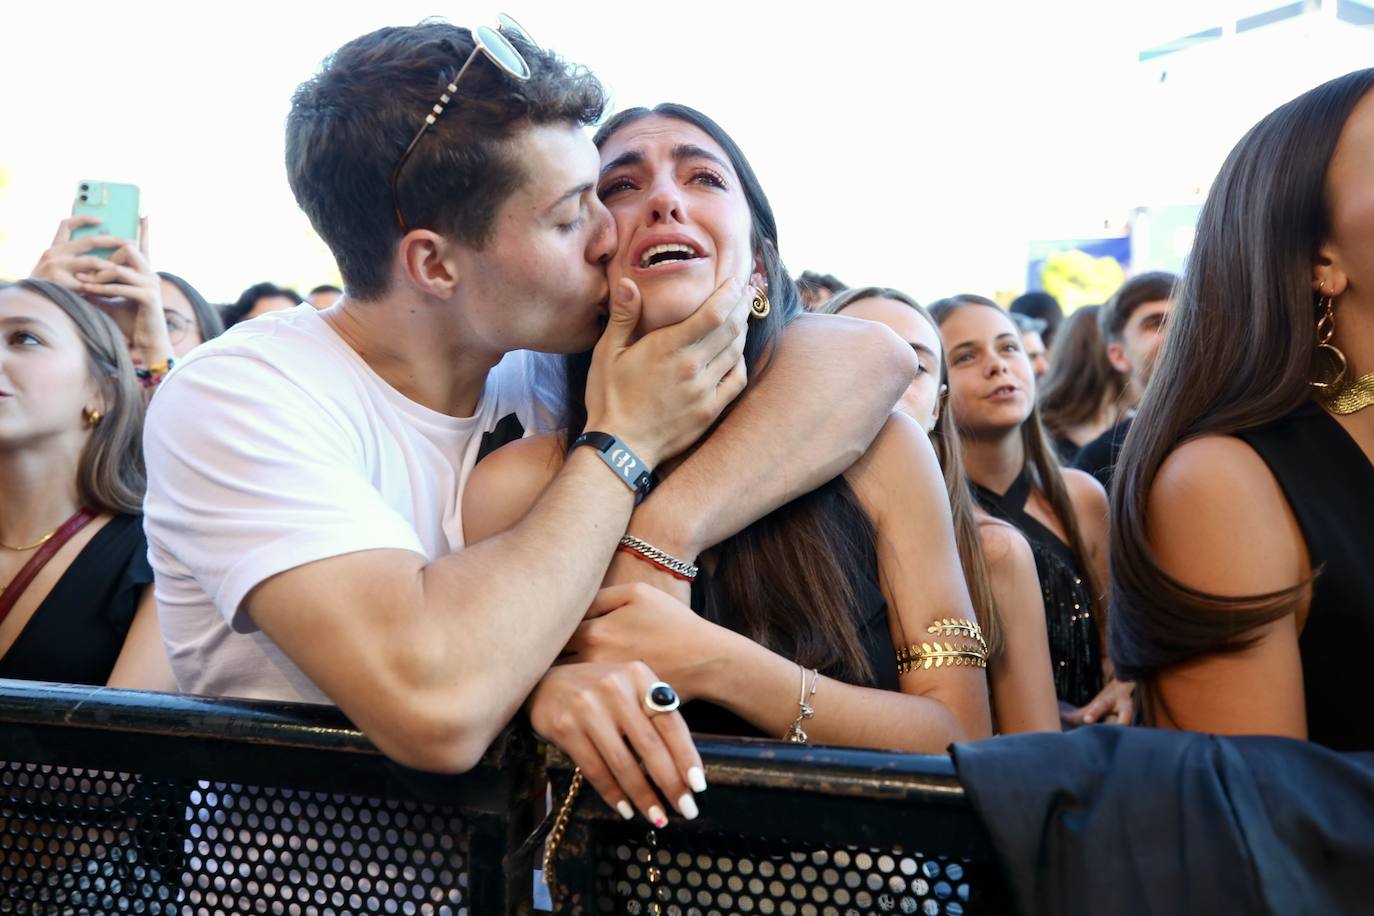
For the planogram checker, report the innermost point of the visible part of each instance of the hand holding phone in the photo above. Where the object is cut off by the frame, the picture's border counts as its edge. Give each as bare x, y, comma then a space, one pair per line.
69, 261
115, 207
123, 285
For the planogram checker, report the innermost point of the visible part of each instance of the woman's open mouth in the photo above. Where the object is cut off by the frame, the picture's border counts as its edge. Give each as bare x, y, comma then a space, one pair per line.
667, 253
660, 255
1003, 393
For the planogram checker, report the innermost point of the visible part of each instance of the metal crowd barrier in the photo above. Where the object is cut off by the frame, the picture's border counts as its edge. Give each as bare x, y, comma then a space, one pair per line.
117, 801
790, 830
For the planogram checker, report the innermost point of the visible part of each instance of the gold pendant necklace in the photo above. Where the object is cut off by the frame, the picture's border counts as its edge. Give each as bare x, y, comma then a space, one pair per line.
1355, 396
38, 543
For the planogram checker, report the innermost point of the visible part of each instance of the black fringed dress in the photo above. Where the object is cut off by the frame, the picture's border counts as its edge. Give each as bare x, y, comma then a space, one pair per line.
1075, 649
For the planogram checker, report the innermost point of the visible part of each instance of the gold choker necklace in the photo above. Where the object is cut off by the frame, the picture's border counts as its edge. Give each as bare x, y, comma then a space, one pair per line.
1351, 397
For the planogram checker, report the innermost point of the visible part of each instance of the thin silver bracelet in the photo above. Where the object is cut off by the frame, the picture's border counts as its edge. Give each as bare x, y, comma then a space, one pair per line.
660, 558
807, 710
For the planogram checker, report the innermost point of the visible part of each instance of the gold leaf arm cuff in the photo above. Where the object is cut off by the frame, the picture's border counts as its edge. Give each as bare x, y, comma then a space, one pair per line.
971, 651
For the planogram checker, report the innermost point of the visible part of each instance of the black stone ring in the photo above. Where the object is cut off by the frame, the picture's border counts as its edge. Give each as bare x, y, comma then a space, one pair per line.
660, 698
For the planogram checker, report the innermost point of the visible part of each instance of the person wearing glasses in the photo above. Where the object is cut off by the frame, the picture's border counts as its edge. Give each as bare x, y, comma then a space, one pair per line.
304, 511
843, 616
162, 316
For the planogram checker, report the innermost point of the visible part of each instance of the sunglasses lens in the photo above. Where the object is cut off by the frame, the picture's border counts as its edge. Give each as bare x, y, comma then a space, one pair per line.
502, 52
508, 26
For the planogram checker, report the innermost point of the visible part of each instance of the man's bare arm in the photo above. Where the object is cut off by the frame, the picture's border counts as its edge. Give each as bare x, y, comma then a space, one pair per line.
827, 391
432, 658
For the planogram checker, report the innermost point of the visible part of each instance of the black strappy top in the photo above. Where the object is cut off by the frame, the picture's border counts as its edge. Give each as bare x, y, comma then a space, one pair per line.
1329, 484
860, 561
76, 633
1075, 648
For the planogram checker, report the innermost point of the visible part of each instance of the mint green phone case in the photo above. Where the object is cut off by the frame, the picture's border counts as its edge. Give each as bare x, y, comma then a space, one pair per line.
115, 204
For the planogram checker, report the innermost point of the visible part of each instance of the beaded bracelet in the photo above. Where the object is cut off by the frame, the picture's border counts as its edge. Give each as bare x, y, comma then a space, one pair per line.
154, 374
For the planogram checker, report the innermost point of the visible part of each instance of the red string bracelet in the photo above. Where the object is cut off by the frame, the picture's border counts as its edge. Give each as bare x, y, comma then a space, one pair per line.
652, 562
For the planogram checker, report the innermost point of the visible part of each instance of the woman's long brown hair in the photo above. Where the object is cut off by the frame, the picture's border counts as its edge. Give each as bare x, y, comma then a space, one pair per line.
1081, 380
944, 436
109, 475
1241, 353
787, 577
1046, 475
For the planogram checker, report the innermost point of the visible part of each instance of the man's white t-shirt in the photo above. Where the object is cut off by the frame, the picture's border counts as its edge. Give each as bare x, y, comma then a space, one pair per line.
276, 445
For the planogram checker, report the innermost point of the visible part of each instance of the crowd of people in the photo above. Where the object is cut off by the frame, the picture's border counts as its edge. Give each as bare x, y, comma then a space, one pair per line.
572, 444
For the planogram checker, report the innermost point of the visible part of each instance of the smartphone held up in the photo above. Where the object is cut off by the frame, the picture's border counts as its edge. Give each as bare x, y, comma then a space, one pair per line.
114, 204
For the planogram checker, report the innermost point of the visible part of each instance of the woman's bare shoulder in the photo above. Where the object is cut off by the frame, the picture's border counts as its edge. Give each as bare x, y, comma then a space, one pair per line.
1004, 548
1085, 491
503, 485
1217, 520
886, 476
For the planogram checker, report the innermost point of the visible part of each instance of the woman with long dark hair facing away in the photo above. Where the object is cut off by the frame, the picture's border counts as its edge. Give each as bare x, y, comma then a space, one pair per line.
1243, 510
998, 565
77, 600
1015, 477
841, 617
1082, 394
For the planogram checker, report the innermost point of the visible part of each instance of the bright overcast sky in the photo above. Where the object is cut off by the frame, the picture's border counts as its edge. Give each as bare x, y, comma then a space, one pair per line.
917, 145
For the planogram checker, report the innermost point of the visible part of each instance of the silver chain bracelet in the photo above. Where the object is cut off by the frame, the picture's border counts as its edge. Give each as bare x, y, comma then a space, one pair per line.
682, 568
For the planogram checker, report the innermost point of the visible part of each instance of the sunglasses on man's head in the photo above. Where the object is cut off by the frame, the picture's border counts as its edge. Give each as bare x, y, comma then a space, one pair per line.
497, 48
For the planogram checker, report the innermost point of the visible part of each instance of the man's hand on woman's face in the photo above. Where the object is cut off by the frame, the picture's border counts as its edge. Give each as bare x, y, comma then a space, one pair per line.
662, 392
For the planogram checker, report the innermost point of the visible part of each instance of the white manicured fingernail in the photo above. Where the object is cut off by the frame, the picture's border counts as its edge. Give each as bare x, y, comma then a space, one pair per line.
688, 806
656, 817
696, 778
625, 810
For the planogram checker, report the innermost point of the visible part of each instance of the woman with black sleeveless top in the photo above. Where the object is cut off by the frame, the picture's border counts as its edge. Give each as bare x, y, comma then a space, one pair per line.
1015, 477
76, 594
1243, 517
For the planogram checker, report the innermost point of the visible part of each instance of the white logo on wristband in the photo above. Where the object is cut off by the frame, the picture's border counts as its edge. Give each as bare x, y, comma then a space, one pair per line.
624, 461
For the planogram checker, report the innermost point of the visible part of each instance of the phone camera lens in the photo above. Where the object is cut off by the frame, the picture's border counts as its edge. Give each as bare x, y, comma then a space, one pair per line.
83, 198
85, 187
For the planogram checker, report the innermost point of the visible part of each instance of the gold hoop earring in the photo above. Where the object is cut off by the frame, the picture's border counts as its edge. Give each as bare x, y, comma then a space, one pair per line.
1326, 330
760, 307
92, 417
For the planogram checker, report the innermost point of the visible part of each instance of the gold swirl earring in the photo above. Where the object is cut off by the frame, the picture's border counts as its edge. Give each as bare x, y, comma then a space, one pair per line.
1326, 330
760, 307
92, 418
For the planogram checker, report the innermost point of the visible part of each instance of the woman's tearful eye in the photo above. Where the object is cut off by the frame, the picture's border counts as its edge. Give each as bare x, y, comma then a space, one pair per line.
613, 187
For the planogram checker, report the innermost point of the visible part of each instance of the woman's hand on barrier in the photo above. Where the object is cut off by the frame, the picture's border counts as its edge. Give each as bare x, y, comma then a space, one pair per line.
597, 715
1114, 703
637, 621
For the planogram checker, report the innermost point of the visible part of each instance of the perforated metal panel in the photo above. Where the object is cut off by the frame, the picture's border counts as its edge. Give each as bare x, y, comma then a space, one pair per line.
85, 841
694, 875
